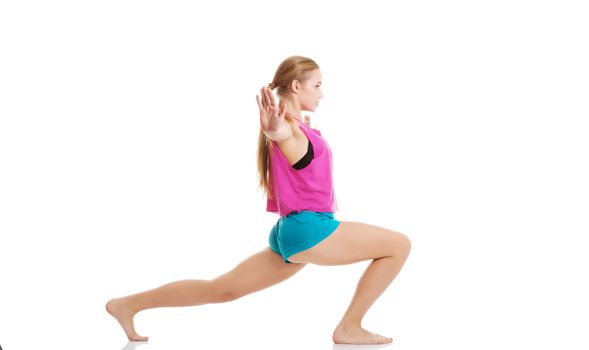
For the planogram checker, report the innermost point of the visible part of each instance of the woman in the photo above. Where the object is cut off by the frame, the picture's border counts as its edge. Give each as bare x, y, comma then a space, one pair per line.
295, 172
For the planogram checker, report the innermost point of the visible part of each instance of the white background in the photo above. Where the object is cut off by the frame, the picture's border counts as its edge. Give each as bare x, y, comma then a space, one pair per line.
128, 138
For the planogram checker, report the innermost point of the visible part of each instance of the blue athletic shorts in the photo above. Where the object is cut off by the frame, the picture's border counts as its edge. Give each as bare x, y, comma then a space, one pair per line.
299, 231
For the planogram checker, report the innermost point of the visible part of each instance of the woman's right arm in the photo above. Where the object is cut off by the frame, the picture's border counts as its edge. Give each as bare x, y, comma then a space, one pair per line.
271, 118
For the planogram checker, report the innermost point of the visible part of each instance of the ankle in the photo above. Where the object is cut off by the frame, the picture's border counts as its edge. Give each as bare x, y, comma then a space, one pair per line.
125, 305
350, 324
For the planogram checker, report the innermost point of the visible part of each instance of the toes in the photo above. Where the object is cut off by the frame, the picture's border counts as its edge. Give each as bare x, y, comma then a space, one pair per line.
380, 339
387, 340
138, 338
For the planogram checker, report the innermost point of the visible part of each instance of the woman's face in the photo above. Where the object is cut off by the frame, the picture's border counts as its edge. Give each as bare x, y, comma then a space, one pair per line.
310, 92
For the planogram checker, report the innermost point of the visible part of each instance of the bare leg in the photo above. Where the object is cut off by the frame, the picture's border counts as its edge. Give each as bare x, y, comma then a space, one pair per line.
179, 293
255, 273
352, 242
377, 277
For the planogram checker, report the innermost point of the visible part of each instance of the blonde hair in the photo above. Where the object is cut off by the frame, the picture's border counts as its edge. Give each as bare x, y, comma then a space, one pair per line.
292, 68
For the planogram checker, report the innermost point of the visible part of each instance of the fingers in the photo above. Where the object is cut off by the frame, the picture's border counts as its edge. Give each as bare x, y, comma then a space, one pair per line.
264, 98
270, 96
267, 101
260, 99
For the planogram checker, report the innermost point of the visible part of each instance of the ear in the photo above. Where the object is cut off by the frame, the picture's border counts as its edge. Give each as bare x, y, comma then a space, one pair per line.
308, 120
294, 86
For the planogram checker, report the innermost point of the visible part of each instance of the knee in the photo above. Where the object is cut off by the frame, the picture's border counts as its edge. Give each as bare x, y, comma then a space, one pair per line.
222, 292
401, 244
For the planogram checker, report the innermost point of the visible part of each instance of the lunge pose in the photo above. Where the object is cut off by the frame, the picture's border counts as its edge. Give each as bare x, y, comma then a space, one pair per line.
295, 173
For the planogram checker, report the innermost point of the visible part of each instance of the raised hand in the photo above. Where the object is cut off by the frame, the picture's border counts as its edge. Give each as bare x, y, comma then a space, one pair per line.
271, 118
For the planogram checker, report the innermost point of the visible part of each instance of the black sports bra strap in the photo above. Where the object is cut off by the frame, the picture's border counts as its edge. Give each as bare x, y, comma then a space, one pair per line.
307, 158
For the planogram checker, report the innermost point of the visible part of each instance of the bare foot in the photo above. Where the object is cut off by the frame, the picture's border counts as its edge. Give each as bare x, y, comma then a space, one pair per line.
357, 335
116, 308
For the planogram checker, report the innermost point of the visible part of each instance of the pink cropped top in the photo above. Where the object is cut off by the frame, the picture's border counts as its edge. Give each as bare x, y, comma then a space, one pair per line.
307, 184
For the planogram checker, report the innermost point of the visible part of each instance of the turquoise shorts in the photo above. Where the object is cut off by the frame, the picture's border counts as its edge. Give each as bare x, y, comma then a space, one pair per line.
299, 231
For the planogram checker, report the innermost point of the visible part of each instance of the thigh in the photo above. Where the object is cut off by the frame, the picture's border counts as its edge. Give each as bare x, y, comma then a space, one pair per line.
352, 242
261, 270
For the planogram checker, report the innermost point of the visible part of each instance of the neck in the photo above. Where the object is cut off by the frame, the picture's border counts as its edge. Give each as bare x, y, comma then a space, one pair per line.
293, 111
297, 118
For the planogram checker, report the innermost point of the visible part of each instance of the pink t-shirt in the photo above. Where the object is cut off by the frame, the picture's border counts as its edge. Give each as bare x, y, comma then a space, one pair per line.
309, 188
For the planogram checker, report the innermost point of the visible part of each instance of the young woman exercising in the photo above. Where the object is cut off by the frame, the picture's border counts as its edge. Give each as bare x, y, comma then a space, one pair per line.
295, 172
